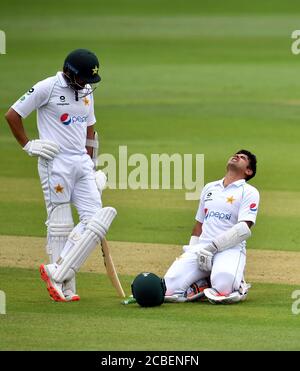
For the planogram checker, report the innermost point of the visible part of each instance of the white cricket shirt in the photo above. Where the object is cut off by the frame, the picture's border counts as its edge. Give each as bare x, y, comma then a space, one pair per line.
60, 118
221, 208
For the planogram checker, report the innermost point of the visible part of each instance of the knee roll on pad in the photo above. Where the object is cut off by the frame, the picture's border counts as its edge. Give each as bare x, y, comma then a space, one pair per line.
96, 229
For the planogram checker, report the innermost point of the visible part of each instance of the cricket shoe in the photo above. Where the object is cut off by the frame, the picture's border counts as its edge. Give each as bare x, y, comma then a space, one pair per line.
54, 288
176, 297
70, 295
196, 291
69, 289
214, 297
244, 289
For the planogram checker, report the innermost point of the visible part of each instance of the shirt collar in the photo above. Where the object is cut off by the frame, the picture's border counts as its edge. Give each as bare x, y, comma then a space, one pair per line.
61, 80
237, 183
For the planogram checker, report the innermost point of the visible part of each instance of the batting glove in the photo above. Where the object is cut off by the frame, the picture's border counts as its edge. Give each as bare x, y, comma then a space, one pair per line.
101, 180
194, 240
43, 148
205, 257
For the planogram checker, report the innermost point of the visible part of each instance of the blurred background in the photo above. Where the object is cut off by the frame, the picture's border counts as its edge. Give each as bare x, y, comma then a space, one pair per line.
177, 77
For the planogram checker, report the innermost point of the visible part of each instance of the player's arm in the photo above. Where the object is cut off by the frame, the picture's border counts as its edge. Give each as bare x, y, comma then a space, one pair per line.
246, 219
232, 237
36, 97
16, 126
250, 224
200, 216
236, 234
43, 148
196, 232
90, 136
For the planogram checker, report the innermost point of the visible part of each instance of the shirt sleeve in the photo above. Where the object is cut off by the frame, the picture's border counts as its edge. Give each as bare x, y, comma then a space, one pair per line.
91, 116
200, 216
36, 97
249, 206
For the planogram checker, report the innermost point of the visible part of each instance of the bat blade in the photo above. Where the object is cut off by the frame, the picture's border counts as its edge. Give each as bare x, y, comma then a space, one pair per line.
110, 269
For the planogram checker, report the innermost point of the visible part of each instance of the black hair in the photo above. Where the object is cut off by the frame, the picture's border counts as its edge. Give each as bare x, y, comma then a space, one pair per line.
252, 162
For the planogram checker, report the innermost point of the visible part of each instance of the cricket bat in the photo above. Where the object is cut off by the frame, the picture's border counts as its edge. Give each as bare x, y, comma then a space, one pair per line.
110, 269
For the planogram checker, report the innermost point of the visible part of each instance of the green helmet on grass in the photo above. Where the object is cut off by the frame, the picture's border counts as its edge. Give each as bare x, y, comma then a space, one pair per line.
148, 289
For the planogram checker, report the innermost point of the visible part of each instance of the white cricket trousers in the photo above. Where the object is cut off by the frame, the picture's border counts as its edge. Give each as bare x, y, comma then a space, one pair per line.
70, 179
226, 274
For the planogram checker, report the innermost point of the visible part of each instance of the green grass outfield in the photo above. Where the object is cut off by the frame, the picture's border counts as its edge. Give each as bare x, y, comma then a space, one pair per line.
100, 322
178, 77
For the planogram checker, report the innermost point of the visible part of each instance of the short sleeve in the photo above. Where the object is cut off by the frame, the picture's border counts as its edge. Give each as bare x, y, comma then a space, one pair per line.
200, 216
36, 97
249, 205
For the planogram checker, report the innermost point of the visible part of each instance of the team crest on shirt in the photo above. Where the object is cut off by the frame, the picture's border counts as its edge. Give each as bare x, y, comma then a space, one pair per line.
86, 101
58, 188
230, 200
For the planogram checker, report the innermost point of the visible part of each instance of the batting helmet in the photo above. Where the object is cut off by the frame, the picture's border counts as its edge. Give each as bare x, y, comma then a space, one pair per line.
84, 65
148, 289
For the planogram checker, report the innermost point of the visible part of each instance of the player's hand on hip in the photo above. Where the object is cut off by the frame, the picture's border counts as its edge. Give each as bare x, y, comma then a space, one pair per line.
43, 148
205, 256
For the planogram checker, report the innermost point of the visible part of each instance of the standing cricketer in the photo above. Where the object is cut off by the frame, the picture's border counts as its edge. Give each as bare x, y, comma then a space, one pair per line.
65, 120
216, 254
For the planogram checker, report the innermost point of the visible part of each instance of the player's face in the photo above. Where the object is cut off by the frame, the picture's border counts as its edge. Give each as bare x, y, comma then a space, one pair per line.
240, 161
75, 82
239, 158
80, 84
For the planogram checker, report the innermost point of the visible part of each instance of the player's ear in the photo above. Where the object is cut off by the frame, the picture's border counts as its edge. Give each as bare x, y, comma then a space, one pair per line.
248, 172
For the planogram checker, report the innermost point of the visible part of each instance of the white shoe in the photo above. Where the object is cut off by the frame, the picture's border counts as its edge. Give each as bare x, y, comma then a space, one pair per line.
243, 289
69, 289
215, 298
176, 297
70, 295
54, 288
